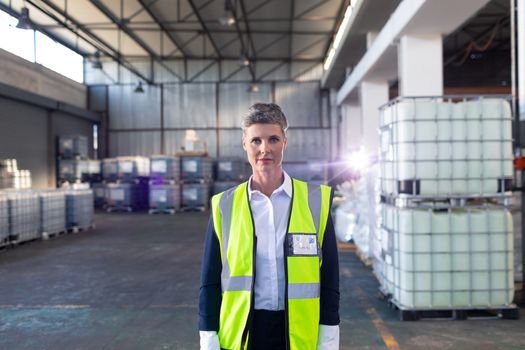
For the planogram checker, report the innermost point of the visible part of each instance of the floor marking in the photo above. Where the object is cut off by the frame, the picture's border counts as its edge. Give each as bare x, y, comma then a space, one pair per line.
388, 338
19, 306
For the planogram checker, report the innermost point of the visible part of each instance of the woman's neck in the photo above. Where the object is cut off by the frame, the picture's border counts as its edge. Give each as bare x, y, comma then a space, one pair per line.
267, 182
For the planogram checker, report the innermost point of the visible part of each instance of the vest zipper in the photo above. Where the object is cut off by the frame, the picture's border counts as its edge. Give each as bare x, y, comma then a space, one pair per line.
252, 295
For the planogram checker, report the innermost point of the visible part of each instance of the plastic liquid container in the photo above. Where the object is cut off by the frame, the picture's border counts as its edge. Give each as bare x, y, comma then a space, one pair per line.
455, 258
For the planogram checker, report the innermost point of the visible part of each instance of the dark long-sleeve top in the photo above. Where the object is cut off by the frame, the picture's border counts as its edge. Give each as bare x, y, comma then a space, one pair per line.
210, 291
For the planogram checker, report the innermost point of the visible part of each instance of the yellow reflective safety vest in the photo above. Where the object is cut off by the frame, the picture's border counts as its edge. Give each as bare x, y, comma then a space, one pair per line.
233, 223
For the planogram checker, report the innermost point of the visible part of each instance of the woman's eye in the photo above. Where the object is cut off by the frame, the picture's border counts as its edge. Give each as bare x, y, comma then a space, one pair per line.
256, 141
274, 139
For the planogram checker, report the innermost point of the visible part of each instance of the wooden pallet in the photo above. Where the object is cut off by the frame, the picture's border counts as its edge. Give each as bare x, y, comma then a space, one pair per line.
76, 229
162, 211
119, 209
198, 208
49, 235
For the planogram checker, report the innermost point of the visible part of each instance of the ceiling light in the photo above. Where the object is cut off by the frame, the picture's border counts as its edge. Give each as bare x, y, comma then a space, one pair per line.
139, 89
339, 36
227, 19
96, 64
245, 60
23, 21
253, 87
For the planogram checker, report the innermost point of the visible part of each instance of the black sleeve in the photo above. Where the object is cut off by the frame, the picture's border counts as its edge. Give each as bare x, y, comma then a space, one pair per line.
210, 295
329, 277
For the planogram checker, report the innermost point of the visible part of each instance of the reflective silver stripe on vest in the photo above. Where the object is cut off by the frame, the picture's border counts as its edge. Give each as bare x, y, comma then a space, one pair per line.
237, 283
304, 290
314, 202
228, 282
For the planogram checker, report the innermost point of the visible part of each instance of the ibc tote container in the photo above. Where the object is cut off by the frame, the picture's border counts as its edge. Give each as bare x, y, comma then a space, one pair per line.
231, 169
99, 194
164, 197
72, 170
164, 168
196, 169
438, 147
195, 196
4, 219
73, 146
79, 208
24, 215
109, 169
456, 258
131, 168
122, 196
52, 212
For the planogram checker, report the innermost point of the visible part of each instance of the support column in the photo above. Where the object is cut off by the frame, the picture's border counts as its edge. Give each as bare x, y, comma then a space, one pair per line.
420, 65
372, 96
351, 128
520, 43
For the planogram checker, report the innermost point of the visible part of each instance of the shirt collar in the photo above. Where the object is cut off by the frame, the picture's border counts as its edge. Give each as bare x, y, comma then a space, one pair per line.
286, 186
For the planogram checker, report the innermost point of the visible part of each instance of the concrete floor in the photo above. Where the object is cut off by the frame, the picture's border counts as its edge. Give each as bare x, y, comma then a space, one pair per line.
133, 284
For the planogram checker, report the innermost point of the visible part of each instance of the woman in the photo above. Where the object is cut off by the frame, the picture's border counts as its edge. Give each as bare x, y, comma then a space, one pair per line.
270, 274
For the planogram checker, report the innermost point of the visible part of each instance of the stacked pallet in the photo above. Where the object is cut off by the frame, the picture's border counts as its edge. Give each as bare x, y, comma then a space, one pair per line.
446, 228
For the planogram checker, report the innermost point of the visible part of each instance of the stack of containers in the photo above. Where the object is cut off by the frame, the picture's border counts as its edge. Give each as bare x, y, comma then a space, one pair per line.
446, 229
4, 220
13, 178
79, 208
231, 171
72, 152
197, 177
24, 215
129, 191
164, 186
52, 212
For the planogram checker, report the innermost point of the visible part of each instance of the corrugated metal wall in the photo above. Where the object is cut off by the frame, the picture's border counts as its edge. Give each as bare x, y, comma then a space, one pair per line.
211, 97
136, 128
29, 133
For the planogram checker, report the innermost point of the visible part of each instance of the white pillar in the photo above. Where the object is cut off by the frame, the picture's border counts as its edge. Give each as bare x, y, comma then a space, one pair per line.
520, 43
351, 128
420, 65
372, 96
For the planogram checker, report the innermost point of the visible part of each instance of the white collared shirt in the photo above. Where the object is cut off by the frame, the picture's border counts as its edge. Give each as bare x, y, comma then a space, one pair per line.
270, 217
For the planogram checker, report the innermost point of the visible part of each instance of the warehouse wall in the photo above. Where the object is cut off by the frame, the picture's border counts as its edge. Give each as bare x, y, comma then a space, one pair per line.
138, 122
28, 133
210, 97
18, 72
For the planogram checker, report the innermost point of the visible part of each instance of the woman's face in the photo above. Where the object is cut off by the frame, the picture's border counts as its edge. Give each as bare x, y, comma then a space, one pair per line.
264, 145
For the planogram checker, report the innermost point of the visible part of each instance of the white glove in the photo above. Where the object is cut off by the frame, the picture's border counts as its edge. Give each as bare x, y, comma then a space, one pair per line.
328, 338
209, 340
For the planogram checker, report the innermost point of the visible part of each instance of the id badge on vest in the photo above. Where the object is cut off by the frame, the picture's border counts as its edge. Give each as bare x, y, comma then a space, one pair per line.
300, 244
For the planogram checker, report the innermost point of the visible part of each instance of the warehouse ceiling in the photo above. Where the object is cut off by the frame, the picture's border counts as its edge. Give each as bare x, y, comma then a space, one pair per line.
286, 30
243, 30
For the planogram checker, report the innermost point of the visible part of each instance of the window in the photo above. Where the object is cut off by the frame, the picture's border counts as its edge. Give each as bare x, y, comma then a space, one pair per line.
38, 48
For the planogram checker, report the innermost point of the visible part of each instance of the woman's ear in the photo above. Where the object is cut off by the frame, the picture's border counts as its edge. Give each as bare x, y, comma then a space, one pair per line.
243, 144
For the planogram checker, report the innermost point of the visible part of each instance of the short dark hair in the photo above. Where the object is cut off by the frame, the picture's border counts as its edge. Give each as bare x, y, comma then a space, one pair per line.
265, 113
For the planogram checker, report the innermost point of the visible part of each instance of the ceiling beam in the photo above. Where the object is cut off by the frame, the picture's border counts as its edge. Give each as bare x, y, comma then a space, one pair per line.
99, 44
290, 28
44, 29
248, 31
121, 25
244, 49
204, 28
160, 24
